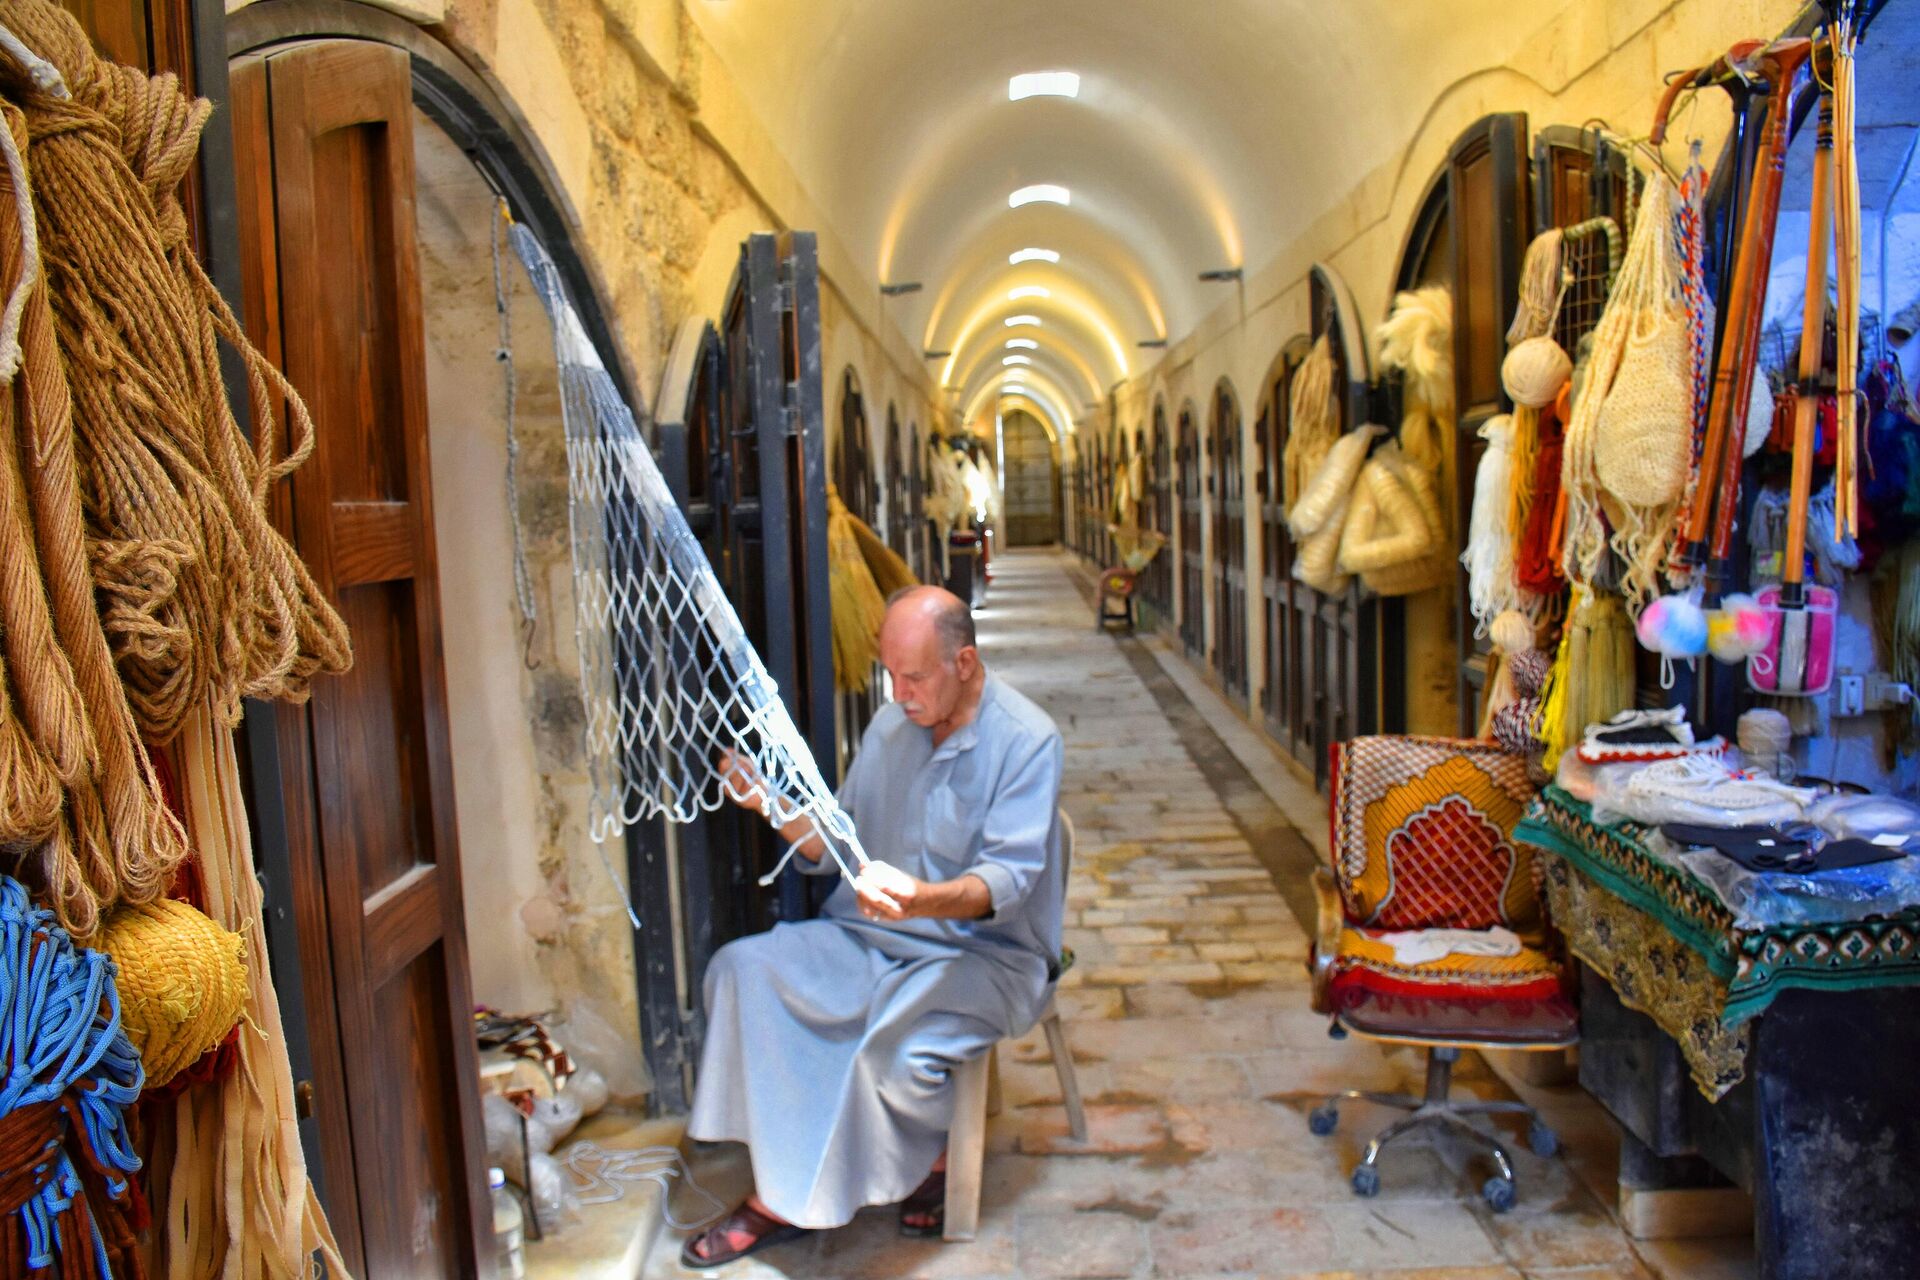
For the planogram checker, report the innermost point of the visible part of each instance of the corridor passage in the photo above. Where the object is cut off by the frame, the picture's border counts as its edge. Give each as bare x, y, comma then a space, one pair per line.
1187, 1010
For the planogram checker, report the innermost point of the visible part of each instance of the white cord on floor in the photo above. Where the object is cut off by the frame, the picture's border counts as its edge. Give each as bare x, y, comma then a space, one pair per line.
603, 1174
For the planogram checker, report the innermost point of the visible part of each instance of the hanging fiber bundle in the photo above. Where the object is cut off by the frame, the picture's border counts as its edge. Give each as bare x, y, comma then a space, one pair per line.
115, 840
67, 1205
1539, 507
1417, 339
1394, 536
201, 595
1491, 587
1542, 282
183, 982
1592, 677
890, 572
1313, 420
858, 606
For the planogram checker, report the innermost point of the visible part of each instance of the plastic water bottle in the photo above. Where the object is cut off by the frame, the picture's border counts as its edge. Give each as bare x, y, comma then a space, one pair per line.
509, 1236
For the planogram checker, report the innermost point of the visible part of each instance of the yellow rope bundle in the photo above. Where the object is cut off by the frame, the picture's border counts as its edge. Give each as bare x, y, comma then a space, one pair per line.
890, 572
182, 982
858, 606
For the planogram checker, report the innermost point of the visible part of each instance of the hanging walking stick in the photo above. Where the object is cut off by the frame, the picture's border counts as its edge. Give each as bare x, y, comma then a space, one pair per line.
1842, 33
1788, 666
1776, 66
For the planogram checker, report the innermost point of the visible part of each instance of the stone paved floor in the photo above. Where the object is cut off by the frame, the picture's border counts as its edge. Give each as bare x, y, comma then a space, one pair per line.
1188, 1018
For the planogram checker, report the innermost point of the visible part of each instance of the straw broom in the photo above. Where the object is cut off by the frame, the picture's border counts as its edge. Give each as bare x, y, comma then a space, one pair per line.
858, 605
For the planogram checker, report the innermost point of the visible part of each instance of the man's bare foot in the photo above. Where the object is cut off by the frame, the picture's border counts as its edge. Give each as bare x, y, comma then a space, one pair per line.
924, 1213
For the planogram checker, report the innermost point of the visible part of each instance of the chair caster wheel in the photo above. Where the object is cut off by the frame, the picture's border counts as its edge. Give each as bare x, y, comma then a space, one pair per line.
1544, 1142
1336, 1032
1322, 1121
1366, 1181
1498, 1193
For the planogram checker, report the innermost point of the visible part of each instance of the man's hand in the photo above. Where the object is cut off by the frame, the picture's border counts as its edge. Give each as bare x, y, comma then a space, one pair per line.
888, 893
742, 782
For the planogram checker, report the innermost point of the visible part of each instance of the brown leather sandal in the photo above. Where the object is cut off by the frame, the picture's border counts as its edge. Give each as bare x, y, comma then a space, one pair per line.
928, 1201
765, 1232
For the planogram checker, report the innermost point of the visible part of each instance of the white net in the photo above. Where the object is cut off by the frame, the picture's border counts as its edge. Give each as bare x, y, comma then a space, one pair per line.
672, 685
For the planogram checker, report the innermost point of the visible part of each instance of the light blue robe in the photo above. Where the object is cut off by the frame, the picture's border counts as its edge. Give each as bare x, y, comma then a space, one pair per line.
830, 1041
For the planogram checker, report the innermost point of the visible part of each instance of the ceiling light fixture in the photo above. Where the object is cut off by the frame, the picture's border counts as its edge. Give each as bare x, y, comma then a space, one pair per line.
1225, 273
1029, 291
1014, 322
1032, 255
1152, 343
895, 290
1044, 84
1016, 344
935, 355
1013, 360
1040, 193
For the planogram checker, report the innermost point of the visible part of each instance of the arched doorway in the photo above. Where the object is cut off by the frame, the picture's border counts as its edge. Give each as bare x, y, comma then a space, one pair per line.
916, 548
895, 499
1160, 514
1031, 507
1228, 485
851, 466
1193, 552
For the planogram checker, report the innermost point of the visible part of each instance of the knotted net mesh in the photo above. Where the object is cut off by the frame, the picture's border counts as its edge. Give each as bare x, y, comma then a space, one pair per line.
671, 684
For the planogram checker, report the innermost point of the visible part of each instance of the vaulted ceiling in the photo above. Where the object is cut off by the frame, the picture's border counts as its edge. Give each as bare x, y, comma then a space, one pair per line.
1204, 136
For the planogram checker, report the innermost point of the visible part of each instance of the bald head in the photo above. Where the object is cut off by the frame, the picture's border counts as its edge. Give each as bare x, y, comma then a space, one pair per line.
927, 645
936, 607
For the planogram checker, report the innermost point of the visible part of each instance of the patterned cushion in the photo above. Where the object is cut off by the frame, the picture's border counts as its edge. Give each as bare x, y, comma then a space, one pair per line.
1519, 999
1421, 835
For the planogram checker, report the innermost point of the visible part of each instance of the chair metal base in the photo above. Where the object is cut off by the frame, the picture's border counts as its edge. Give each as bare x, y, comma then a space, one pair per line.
1437, 1109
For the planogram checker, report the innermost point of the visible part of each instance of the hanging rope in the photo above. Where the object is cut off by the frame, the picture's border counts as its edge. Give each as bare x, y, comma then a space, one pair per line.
67, 1205
502, 297
203, 596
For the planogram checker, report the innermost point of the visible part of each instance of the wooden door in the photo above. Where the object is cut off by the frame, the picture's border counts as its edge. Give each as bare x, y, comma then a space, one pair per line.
1228, 484
1193, 552
1283, 696
325, 170
916, 552
1487, 194
1160, 484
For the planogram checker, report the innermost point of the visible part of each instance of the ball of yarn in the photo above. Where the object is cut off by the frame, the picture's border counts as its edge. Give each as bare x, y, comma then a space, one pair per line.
1738, 629
1512, 631
1764, 735
1528, 671
183, 982
1534, 371
1512, 726
1674, 627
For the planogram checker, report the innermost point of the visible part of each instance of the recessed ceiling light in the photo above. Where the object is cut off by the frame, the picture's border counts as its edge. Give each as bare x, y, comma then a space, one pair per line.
1029, 291
1044, 84
1040, 193
1014, 322
1016, 344
1031, 255
1012, 360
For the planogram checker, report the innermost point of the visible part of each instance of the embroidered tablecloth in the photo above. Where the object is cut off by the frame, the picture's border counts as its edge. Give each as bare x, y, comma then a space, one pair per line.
1731, 975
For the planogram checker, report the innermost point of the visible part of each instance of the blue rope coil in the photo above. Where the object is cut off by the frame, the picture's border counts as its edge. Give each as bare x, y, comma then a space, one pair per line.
61, 1043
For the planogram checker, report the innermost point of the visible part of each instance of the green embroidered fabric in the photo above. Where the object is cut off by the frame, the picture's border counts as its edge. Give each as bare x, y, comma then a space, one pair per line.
1755, 965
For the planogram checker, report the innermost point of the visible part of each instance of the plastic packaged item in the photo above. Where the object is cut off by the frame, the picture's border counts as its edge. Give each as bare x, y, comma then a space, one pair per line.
1887, 820
1763, 668
509, 1230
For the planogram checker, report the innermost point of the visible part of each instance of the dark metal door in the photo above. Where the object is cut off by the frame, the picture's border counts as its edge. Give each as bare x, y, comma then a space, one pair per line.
1193, 554
852, 468
1283, 696
1228, 485
1160, 504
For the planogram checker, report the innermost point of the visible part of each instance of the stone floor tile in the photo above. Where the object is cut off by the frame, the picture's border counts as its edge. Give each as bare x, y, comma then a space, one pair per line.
1081, 1244
872, 1248
1715, 1259
1207, 1242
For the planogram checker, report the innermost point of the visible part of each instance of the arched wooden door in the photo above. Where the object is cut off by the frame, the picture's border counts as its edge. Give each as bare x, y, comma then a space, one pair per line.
916, 548
852, 470
1160, 504
1283, 693
1228, 486
895, 500
1193, 552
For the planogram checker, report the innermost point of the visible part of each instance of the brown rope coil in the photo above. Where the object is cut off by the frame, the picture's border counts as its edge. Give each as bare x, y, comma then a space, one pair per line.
204, 598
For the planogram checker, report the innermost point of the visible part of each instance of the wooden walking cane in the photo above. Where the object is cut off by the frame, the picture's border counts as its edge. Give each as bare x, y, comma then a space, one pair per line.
1842, 33
1791, 663
1776, 66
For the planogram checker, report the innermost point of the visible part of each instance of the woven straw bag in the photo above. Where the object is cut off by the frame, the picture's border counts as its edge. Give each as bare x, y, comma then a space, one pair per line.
1326, 492
1395, 534
1644, 437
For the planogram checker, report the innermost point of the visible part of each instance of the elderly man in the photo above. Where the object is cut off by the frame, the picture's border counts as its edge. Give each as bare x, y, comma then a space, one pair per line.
830, 1041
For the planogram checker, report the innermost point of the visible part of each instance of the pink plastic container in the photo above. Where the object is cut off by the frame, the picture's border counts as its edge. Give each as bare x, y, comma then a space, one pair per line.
1763, 669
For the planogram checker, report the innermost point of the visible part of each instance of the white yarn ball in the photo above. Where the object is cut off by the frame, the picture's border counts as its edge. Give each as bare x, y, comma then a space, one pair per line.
1534, 371
1512, 632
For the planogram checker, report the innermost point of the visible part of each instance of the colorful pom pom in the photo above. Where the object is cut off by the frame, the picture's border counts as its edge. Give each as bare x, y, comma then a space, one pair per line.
1738, 629
1673, 627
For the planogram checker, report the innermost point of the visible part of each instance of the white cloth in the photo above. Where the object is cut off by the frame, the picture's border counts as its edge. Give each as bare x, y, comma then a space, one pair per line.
1423, 946
830, 1042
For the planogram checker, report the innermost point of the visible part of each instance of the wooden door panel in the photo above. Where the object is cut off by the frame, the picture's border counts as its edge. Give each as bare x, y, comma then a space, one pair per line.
327, 200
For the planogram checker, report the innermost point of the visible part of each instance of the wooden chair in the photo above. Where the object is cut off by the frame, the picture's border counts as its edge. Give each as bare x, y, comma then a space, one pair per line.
976, 1095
